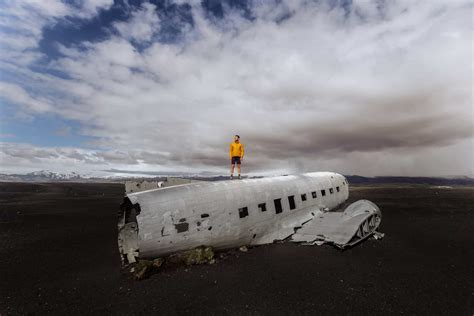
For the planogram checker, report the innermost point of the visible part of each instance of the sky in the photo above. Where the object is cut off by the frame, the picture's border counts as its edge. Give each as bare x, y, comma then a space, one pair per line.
104, 87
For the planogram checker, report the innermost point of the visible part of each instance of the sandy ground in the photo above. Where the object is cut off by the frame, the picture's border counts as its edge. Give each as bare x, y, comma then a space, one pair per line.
58, 254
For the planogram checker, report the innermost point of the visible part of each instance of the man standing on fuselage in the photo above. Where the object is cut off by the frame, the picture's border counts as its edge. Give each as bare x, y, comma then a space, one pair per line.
236, 154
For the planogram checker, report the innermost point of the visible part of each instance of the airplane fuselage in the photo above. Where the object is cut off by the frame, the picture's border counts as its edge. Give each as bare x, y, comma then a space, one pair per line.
228, 214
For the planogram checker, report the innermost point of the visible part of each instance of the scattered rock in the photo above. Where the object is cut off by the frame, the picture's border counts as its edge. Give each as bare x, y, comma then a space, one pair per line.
243, 249
194, 256
200, 255
158, 262
378, 235
143, 269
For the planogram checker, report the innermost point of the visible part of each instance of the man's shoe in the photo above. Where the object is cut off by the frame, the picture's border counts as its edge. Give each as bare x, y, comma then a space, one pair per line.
232, 177
240, 177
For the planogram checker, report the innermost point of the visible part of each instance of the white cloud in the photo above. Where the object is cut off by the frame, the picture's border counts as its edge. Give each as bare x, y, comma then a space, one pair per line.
93, 6
22, 23
18, 95
22, 158
142, 24
381, 90
53, 8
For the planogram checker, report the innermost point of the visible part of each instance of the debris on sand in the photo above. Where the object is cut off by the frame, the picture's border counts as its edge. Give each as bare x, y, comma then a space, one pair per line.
142, 269
222, 255
200, 255
158, 262
378, 235
243, 249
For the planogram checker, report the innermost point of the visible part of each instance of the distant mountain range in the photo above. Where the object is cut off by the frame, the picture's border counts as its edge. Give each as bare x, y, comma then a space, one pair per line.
49, 176
42, 176
411, 180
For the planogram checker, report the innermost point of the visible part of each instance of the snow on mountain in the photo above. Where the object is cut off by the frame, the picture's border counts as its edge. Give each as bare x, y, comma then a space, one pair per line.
54, 175
43, 176
50, 176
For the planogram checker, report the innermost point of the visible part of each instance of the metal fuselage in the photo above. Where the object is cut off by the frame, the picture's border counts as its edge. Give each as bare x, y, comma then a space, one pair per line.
228, 214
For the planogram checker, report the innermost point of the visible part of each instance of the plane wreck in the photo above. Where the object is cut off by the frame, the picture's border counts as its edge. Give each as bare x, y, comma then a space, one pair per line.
226, 214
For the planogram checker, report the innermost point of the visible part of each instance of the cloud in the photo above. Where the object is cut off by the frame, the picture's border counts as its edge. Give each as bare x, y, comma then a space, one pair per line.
18, 95
91, 7
22, 158
22, 23
7, 135
373, 89
143, 23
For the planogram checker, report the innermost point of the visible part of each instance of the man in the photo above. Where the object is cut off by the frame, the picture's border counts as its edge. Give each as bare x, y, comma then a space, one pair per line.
236, 154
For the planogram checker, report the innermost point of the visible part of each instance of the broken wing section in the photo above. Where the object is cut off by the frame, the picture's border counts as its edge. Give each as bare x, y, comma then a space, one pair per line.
343, 229
282, 230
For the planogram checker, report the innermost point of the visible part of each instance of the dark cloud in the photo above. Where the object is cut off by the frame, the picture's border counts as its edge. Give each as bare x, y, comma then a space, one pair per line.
355, 88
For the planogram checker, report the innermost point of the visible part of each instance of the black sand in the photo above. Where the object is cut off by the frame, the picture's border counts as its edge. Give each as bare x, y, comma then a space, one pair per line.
58, 254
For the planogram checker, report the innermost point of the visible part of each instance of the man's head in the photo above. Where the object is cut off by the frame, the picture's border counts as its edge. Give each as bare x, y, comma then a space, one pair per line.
236, 138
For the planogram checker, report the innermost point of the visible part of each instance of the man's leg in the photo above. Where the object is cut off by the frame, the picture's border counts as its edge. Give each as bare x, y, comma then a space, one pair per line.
231, 169
238, 169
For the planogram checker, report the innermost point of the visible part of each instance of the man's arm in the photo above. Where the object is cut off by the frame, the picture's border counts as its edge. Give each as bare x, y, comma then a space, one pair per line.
230, 151
242, 152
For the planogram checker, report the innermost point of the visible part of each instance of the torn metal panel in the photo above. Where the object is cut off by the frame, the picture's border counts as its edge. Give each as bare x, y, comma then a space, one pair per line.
141, 185
229, 214
128, 231
145, 185
358, 221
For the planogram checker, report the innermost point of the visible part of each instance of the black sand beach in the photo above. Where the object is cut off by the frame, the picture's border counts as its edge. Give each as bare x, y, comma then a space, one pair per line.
58, 254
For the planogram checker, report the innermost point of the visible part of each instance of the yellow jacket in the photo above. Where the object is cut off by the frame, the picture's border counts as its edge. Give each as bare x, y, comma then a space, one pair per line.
236, 150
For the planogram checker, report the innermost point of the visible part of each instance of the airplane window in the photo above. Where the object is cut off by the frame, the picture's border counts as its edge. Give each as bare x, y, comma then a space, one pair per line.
291, 200
243, 212
278, 208
303, 197
262, 207
323, 192
313, 194
181, 227
331, 190
337, 189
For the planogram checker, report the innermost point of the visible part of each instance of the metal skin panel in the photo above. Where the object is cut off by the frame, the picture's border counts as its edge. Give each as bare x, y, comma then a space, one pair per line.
207, 213
358, 221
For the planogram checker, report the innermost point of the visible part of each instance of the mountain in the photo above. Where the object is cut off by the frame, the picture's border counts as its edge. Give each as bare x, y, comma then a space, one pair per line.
43, 176
49, 176
439, 181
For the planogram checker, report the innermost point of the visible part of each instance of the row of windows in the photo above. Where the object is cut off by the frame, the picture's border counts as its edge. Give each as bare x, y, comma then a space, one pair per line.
182, 226
244, 211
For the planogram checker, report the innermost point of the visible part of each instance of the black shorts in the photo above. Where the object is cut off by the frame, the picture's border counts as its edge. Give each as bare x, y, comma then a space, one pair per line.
235, 160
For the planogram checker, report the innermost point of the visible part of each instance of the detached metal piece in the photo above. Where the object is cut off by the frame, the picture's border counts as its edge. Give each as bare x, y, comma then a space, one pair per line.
229, 214
343, 229
144, 185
